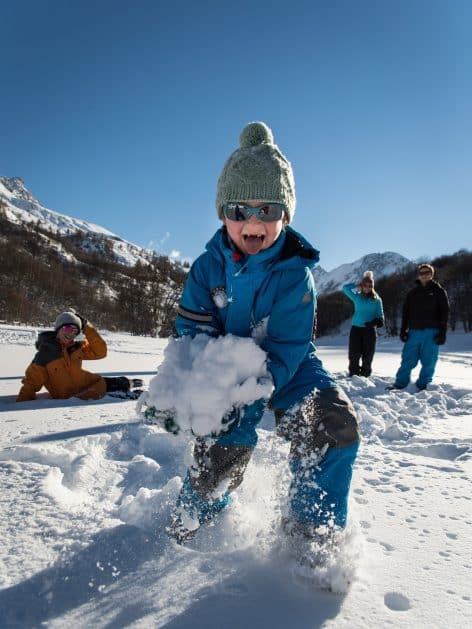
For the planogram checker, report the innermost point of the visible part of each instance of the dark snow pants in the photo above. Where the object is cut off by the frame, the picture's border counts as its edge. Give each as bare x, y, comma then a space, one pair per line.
361, 347
324, 441
117, 383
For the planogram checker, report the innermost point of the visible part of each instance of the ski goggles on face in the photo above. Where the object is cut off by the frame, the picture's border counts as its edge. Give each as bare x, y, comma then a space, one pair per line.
69, 327
266, 212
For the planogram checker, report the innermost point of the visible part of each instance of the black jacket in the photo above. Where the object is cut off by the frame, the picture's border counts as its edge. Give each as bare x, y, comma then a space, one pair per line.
426, 307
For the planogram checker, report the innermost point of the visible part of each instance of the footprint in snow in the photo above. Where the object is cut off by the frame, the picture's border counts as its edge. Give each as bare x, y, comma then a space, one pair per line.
397, 602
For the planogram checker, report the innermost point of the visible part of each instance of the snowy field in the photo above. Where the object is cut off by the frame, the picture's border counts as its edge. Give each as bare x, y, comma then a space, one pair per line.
86, 490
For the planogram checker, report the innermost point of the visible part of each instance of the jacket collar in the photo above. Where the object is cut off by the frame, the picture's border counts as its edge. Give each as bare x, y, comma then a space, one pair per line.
49, 337
290, 250
430, 284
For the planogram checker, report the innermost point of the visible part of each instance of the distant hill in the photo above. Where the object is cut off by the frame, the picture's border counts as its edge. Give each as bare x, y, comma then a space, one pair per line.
382, 264
50, 261
21, 207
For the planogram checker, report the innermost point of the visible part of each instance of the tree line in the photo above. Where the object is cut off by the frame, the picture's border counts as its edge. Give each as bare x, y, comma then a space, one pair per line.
44, 272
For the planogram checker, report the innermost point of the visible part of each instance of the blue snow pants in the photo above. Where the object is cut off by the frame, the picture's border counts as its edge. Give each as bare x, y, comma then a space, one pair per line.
422, 347
323, 433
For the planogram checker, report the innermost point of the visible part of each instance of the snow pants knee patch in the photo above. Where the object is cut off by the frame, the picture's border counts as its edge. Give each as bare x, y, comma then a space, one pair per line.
326, 418
217, 468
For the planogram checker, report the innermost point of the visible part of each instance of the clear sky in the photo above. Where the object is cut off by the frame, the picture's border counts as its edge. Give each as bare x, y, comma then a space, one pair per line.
124, 112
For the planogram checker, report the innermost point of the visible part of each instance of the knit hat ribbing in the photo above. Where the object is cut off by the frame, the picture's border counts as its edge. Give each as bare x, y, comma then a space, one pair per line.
257, 171
67, 318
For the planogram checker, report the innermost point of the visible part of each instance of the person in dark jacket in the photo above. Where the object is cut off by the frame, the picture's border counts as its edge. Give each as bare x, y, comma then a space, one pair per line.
256, 274
423, 329
57, 365
368, 316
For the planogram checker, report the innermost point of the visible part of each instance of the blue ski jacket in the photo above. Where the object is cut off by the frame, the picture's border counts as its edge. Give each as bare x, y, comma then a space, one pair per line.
365, 308
270, 297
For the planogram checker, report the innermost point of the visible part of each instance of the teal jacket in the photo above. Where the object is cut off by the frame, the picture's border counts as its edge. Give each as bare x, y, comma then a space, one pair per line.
365, 308
269, 297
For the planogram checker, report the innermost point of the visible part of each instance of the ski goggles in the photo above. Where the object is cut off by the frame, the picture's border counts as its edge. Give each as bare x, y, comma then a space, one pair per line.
266, 212
69, 327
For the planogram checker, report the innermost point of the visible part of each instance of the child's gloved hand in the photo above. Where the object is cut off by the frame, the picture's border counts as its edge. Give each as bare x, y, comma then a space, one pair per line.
403, 336
375, 323
164, 419
440, 338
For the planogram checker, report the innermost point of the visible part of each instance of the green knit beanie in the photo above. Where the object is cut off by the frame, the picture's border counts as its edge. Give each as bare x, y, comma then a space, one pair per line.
258, 171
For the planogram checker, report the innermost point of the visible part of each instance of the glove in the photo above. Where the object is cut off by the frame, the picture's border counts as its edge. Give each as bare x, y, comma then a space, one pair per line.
375, 323
440, 338
403, 336
83, 320
164, 419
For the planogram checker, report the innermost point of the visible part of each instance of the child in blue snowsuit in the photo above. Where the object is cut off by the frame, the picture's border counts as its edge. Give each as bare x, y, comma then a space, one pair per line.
256, 275
368, 315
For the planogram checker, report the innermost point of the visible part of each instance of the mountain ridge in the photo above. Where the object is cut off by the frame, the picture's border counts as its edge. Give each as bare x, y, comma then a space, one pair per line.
22, 206
50, 261
381, 264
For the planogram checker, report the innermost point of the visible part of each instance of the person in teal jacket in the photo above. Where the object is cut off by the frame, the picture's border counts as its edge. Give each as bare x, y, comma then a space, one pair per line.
255, 280
368, 316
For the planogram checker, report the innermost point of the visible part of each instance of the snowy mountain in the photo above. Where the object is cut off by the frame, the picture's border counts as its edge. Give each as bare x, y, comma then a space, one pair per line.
381, 264
50, 261
23, 208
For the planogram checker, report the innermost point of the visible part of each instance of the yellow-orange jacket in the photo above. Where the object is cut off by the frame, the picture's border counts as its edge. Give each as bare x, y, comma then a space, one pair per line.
58, 367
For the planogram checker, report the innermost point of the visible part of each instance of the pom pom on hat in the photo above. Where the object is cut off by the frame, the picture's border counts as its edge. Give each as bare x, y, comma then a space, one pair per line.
257, 171
255, 133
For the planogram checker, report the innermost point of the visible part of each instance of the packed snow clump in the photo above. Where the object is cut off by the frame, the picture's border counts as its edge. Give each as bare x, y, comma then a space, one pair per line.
202, 379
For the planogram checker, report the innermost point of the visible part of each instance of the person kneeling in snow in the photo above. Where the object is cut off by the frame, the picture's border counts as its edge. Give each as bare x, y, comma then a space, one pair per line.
255, 280
57, 364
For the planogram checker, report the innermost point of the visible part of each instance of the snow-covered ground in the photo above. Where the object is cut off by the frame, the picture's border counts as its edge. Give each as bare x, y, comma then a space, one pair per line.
86, 489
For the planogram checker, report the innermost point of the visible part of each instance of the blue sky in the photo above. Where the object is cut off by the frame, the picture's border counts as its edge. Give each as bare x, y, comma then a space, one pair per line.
123, 113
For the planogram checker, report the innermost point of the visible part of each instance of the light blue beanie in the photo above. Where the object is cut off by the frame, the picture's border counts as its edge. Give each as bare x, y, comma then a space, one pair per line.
257, 171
